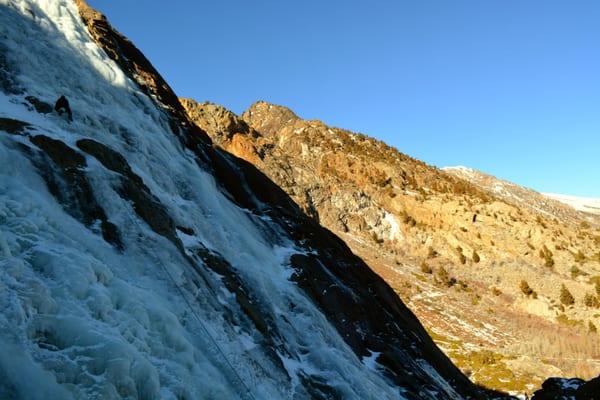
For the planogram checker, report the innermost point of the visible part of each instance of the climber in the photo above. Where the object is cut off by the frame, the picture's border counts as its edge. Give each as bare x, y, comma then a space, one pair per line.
62, 105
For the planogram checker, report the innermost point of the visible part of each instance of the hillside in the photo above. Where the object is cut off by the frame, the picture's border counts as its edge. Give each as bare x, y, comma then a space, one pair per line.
138, 261
481, 262
566, 209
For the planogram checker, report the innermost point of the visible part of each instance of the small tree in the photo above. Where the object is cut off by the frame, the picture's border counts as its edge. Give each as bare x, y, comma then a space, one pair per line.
566, 297
476, 258
592, 327
546, 254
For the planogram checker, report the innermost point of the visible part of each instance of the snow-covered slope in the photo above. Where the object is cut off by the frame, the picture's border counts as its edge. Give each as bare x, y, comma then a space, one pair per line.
546, 204
586, 204
136, 261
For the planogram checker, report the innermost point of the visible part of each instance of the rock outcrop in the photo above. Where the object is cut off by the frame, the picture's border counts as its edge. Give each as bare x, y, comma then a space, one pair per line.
564, 388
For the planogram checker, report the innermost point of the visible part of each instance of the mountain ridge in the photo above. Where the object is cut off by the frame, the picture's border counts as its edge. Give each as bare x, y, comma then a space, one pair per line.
434, 235
140, 261
512, 192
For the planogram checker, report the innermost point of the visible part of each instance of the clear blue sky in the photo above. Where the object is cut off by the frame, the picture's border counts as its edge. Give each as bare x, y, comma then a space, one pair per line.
510, 87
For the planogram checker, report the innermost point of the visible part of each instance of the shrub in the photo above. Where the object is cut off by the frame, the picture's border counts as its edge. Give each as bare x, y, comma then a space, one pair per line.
591, 301
541, 221
425, 268
431, 253
484, 357
564, 320
546, 254
442, 274
496, 291
585, 225
407, 219
575, 272
594, 279
476, 258
545, 251
592, 327
579, 256
524, 286
444, 278
461, 256
566, 297
376, 238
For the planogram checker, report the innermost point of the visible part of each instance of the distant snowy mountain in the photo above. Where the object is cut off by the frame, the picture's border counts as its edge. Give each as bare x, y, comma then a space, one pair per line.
585, 204
137, 261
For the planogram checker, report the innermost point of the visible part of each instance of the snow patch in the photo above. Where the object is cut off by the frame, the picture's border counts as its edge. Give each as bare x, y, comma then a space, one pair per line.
586, 204
394, 232
370, 361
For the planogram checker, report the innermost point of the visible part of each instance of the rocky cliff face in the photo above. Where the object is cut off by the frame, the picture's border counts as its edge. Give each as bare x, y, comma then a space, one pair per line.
457, 250
139, 261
